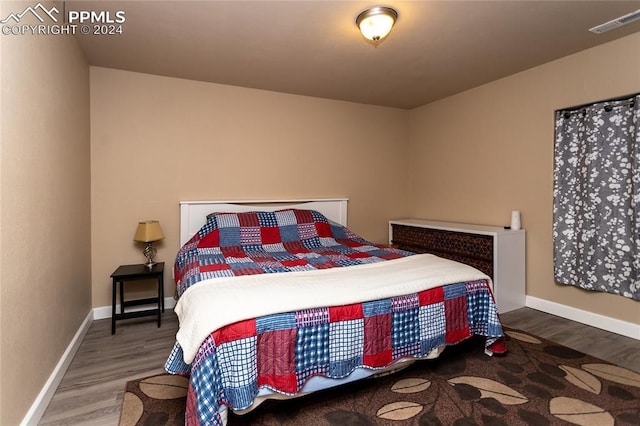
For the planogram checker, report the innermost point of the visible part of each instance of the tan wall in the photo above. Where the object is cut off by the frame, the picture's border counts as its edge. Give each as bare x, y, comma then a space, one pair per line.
478, 155
2, 10
45, 290
156, 141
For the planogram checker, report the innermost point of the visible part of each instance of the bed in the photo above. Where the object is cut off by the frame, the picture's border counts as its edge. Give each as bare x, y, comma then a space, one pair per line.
280, 299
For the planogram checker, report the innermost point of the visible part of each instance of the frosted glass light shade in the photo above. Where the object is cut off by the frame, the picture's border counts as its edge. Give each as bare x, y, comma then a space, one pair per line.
376, 23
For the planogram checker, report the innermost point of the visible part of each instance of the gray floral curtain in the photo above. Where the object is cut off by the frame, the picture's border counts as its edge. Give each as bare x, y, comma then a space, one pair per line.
596, 222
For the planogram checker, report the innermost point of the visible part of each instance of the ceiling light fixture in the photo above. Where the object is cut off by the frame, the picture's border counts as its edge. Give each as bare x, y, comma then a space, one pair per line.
375, 23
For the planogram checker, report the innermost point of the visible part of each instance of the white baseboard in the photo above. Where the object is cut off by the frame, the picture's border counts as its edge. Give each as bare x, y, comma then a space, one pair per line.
41, 402
103, 312
613, 325
43, 399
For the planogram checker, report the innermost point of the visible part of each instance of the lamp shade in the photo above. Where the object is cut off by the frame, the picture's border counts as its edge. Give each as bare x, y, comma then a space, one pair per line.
376, 23
148, 231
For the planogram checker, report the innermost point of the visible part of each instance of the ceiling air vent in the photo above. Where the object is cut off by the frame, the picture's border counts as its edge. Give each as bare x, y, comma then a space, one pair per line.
615, 23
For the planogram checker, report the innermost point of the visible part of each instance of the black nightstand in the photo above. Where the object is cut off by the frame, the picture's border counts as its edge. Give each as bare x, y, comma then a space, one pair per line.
137, 273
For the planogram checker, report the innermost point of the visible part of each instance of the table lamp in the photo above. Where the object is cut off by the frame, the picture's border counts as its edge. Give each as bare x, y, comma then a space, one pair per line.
148, 232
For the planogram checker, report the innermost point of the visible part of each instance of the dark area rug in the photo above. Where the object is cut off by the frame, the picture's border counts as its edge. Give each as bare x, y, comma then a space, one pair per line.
536, 383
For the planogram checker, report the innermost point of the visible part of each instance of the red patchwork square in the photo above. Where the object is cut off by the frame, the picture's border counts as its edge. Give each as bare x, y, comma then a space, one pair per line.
358, 255
212, 239
295, 247
235, 331
349, 243
455, 311
233, 251
377, 340
391, 256
303, 216
429, 297
270, 234
276, 359
296, 262
192, 408
247, 271
214, 267
323, 229
248, 219
325, 265
346, 312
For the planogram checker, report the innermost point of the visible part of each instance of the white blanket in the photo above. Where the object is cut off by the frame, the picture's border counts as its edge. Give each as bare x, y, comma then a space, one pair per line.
214, 303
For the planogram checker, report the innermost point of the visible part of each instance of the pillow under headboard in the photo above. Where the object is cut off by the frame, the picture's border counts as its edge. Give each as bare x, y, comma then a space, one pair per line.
264, 227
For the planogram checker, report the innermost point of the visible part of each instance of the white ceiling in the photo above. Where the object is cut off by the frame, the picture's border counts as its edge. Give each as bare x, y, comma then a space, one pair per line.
436, 48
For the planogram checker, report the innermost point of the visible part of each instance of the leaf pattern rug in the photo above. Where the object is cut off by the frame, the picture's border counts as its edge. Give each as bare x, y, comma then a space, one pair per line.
536, 383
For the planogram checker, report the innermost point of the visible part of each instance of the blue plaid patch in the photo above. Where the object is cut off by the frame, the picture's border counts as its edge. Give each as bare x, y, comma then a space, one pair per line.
210, 258
318, 217
229, 237
455, 290
433, 326
289, 233
412, 349
206, 383
217, 274
328, 242
376, 307
278, 251
312, 346
211, 224
348, 262
175, 363
286, 217
346, 340
346, 346
233, 357
228, 221
267, 219
404, 328
276, 322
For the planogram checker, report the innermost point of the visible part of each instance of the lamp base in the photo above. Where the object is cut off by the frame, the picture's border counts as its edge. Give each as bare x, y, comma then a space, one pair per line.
149, 252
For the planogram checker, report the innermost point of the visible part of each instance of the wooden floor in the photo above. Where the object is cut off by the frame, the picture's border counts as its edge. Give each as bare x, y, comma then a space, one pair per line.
91, 391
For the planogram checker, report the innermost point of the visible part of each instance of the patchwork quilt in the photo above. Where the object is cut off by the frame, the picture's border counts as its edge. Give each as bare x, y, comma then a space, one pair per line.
233, 244
281, 352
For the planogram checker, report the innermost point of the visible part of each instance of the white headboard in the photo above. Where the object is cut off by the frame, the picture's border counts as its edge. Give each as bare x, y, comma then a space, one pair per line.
193, 214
